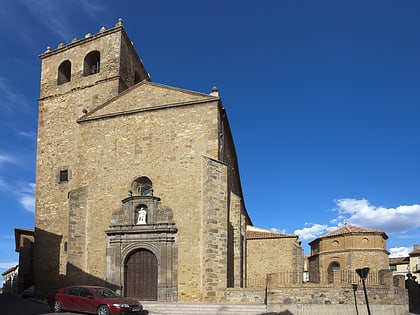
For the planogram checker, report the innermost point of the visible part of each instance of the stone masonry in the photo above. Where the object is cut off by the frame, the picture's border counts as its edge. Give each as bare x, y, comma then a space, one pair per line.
104, 130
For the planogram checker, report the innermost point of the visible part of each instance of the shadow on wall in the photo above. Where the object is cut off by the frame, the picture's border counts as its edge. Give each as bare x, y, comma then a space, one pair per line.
47, 273
413, 295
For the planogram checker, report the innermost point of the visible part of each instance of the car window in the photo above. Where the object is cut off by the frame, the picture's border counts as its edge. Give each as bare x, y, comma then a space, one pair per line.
84, 292
72, 291
104, 292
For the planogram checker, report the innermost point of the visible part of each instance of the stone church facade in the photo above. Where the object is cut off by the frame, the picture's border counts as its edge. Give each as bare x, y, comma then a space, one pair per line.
137, 183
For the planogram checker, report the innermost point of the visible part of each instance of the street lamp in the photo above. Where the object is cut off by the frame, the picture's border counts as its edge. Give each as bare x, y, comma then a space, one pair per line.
363, 272
355, 300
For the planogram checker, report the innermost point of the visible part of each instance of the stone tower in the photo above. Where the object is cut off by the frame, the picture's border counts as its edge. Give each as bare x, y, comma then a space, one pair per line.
137, 184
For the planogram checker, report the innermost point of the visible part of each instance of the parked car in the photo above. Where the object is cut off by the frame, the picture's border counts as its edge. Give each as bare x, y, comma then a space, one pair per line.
29, 292
92, 299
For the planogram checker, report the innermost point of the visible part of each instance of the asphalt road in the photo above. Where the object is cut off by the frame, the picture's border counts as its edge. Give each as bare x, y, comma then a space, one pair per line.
11, 304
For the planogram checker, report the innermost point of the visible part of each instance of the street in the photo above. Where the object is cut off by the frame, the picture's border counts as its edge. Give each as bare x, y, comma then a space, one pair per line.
11, 304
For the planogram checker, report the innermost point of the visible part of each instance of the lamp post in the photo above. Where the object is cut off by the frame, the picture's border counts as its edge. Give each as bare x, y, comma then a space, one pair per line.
355, 300
363, 272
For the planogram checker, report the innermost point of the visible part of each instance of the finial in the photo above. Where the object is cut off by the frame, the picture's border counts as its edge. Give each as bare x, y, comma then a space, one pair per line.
102, 29
74, 40
88, 35
214, 91
119, 22
48, 49
60, 45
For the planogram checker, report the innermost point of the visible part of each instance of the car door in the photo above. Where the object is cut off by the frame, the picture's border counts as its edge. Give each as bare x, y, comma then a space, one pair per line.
87, 300
70, 299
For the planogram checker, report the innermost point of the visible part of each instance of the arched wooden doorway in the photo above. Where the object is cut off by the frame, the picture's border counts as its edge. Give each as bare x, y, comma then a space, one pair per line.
141, 275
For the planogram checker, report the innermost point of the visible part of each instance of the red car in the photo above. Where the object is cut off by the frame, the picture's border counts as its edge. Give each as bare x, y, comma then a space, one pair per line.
90, 299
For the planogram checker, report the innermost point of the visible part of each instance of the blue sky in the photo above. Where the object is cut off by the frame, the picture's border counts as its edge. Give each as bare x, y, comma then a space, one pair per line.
322, 96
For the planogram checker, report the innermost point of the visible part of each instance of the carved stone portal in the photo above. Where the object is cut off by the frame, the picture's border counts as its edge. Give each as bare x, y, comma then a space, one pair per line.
143, 223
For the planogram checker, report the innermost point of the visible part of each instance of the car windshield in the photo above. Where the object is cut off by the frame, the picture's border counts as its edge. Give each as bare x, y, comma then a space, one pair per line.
105, 292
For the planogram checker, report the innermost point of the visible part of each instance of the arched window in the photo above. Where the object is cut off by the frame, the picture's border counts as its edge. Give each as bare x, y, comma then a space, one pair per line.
142, 186
64, 72
92, 63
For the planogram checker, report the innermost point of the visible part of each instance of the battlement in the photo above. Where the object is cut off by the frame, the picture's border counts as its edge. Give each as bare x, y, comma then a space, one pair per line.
88, 37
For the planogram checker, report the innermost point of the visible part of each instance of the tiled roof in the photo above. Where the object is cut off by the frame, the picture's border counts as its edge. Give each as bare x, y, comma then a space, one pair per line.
399, 260
349, 229
267, 235
415, 252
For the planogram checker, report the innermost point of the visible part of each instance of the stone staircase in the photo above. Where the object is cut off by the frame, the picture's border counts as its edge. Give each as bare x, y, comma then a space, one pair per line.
159, 308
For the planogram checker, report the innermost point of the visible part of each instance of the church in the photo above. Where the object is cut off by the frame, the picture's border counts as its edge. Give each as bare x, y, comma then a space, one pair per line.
138, 185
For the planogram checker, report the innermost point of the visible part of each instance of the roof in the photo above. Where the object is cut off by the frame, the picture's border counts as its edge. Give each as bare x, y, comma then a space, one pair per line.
143, 97
18, 236
253, 233
10, 270
351, 229
416, 250
399, 260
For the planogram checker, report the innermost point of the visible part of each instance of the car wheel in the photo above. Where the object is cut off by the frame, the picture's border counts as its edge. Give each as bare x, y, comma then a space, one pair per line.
102, 310
56, 306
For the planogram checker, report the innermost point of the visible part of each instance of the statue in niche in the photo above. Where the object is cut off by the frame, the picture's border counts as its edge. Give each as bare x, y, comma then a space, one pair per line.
141, 219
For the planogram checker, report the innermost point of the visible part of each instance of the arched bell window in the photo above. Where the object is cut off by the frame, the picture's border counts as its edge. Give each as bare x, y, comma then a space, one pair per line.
64, 72
92, 63
142, 186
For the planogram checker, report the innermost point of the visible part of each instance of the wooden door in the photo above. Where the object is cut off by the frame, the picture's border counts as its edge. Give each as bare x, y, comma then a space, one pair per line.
141, 275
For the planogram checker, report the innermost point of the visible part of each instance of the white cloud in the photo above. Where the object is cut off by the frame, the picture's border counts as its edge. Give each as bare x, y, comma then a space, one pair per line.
27, 197
27, 134
399, 252
392, 220
360, 212
312, 232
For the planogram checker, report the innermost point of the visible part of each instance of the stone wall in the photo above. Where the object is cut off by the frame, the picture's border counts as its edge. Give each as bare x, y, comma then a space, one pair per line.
274, 255
387, 295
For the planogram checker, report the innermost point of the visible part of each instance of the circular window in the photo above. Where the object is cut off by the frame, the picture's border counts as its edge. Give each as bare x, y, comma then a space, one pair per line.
336, 243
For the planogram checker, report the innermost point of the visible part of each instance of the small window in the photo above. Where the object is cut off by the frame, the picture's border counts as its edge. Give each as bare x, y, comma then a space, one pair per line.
64, 176
92, 63
64, 72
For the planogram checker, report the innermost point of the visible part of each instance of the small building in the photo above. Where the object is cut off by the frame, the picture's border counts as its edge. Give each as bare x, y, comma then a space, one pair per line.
24, 240
347, 249
10, 280
415, 261
399, 265
272, 252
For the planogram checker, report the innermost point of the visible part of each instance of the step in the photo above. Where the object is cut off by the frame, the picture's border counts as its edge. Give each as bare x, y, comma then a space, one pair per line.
183, 308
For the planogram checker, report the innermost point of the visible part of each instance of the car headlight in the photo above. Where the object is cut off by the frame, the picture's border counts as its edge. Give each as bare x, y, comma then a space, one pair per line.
121, 305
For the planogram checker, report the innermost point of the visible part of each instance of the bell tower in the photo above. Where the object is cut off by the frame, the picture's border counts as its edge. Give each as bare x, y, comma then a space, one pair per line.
75, 79
105, 63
